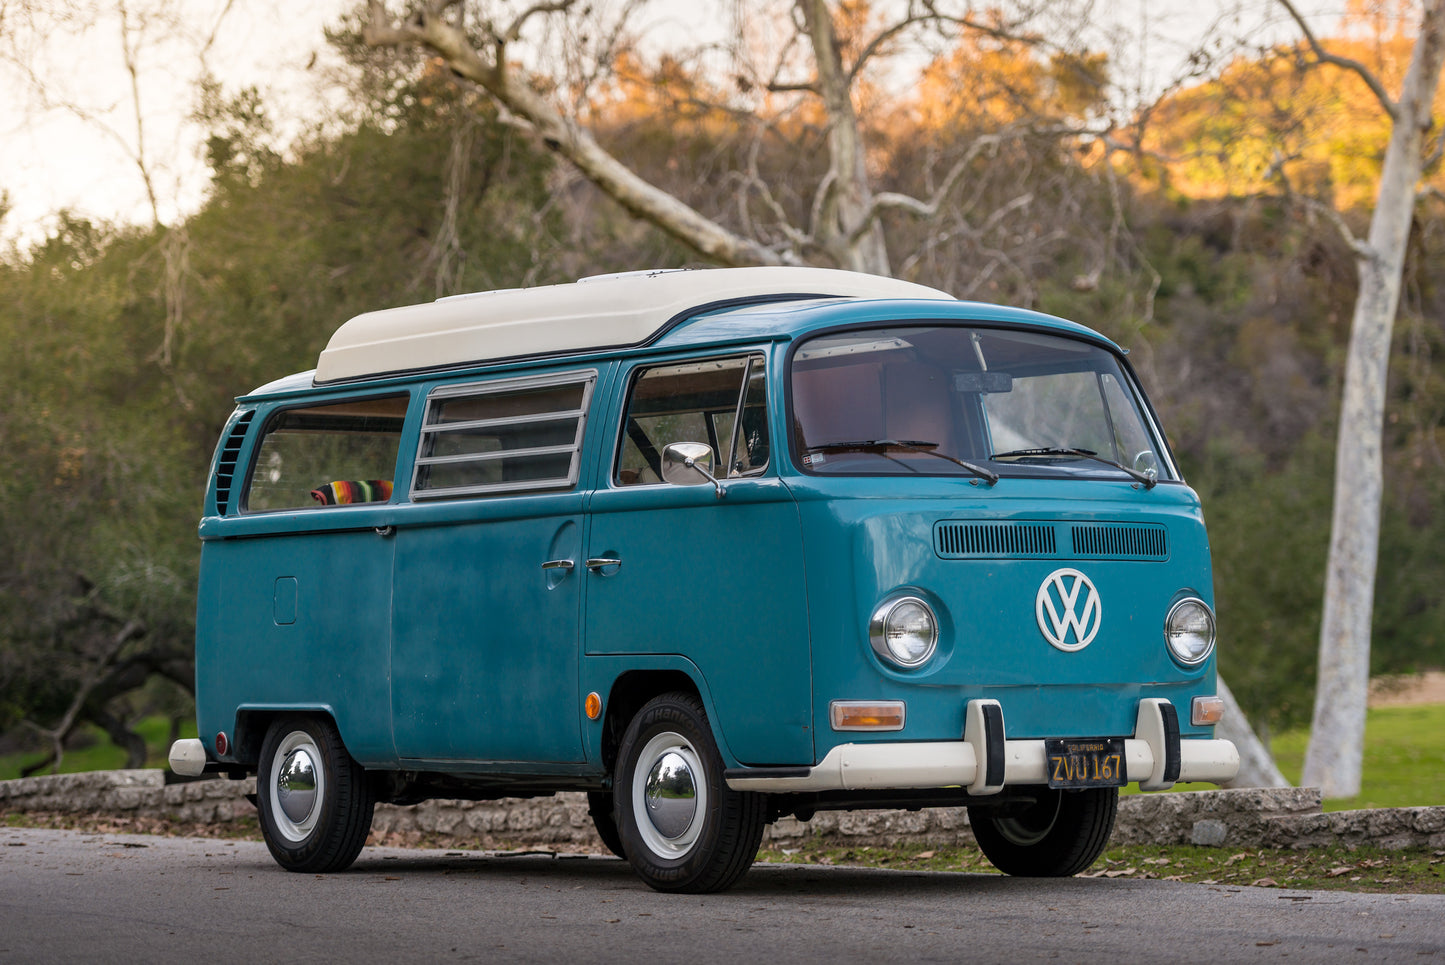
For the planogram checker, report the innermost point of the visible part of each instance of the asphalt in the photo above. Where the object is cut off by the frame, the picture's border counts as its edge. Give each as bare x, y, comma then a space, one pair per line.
69, 896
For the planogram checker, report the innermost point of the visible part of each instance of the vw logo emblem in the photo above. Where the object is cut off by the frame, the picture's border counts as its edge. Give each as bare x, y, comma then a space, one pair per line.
1068, 610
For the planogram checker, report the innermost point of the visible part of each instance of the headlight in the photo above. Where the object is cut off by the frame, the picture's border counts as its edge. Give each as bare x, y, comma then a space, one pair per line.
1189, 631
904, 631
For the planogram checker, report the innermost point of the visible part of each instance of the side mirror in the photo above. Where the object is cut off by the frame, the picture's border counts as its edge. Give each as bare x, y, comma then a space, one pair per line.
1147, 463
689, 464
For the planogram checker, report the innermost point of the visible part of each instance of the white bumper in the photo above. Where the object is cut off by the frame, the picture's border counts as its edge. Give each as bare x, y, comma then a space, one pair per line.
188, 757
935, 764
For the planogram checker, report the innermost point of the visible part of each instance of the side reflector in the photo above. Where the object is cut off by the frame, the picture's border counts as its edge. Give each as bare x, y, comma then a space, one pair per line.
222, 745
593, 705
1205, 711
866, 714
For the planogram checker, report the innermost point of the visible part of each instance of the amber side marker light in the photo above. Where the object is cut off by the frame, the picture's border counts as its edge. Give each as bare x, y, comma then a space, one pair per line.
593, 705
866, 714
1206, 710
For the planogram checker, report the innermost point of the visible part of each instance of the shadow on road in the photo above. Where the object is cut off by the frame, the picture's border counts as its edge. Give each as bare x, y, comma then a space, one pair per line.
764, 880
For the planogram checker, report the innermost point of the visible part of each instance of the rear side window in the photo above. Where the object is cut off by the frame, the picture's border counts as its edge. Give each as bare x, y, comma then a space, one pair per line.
514, 435
338, 454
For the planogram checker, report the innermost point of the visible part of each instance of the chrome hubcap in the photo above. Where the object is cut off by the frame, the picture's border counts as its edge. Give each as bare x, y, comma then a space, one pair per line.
671, 795
296, 785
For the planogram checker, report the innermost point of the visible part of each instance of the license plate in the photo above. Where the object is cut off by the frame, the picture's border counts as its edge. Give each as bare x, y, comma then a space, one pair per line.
1091, 762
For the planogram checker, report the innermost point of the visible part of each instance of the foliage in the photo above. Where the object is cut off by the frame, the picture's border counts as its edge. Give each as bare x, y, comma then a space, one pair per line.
1267, 119
123, 348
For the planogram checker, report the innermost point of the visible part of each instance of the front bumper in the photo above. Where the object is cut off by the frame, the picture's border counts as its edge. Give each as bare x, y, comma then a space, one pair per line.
985, 763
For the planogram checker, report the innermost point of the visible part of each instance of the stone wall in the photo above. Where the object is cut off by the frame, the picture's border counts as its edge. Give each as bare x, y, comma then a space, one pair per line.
1249, 817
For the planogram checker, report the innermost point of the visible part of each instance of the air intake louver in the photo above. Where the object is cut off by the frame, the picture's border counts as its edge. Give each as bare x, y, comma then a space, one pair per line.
1119, 541
975, 540
226, 464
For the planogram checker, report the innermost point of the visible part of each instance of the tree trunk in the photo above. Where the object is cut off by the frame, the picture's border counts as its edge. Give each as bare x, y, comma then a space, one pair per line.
847, 231
1336, 748
1256, 764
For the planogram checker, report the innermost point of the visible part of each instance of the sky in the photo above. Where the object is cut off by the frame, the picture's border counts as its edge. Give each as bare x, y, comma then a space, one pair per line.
74, 144
69, 137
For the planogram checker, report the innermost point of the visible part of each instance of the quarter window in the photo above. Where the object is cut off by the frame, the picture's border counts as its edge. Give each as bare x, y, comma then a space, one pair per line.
339, 454
508, 436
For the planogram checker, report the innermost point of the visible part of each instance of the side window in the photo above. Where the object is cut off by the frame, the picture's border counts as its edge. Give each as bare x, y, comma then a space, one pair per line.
507, 436
341, 453
720, 402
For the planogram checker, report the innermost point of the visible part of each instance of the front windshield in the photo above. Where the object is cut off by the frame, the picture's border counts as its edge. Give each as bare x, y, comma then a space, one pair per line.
954, 400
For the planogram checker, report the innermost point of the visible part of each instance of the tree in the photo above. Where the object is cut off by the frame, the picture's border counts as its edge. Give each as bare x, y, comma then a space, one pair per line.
1039, 117
1336, 748
408, 196
812, 78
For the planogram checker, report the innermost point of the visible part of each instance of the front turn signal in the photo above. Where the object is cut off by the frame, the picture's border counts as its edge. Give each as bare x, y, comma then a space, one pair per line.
866, 714
1206, 711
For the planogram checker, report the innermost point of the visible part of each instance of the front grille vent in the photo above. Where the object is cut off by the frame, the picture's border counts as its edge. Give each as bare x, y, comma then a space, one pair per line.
226, 464
1121, 541
982, 540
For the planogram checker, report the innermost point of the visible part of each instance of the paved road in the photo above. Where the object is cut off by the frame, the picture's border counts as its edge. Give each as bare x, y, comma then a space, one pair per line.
74, 897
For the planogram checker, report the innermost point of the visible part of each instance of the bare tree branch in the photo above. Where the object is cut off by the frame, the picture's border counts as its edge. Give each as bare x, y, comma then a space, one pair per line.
514, 31
560, 133
58, 734
1437, 150
1315, 206
1390, 105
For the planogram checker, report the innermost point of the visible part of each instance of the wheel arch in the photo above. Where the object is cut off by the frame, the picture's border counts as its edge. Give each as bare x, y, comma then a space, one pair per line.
631, 691
252, 723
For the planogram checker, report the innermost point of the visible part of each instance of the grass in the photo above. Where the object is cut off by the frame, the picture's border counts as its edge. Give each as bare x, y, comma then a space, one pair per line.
1404, 758
98, 753
1410, 870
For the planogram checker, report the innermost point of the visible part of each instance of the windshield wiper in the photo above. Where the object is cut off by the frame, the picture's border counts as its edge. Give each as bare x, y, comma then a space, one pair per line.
912, 445
1147, 479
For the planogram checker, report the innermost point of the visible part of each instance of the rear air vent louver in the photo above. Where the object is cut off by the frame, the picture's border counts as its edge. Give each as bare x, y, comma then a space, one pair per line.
226, 463
1121, 541
975, 540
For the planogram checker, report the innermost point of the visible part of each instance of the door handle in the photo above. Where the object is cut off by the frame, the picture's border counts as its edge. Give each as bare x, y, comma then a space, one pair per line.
385, 531
597, 563
558, 565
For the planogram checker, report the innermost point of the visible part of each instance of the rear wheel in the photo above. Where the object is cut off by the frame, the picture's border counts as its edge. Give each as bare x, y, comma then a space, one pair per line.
682, 827
599, 809
1060, 834
315, 802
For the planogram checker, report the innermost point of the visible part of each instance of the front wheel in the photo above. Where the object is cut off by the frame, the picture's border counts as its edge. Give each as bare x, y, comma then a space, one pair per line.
683, 829
315, 801
1060, 834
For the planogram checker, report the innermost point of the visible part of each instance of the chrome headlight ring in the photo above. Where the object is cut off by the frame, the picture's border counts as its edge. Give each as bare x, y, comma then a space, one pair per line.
1189, 631
904, 631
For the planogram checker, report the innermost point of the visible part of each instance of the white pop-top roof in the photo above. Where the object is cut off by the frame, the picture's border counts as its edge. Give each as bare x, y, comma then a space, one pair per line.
595, 313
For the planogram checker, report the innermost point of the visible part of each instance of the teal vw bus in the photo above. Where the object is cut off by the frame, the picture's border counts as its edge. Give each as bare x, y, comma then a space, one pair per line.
713, 547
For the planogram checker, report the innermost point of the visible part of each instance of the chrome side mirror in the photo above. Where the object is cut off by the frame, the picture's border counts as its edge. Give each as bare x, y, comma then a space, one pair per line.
689, 464
1147, 463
